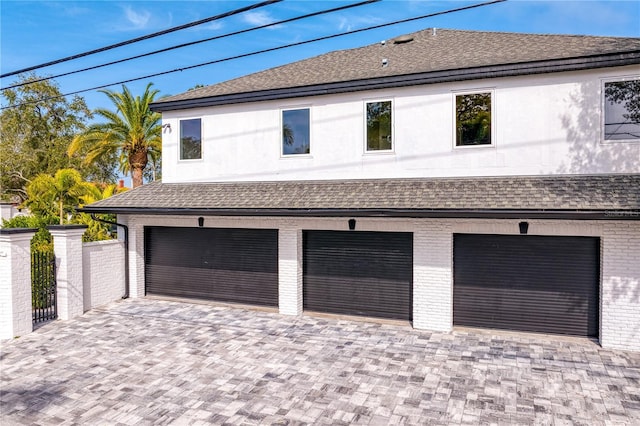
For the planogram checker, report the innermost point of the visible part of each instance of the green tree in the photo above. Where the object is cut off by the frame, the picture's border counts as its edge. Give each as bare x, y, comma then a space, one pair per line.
42, 241
36, 128
132, 132
98, 231
59, 194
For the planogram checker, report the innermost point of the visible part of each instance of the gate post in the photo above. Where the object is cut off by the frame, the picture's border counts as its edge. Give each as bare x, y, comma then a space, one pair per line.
67, 246
15, 282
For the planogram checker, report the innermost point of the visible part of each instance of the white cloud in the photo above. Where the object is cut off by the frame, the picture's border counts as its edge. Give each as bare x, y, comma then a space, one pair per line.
258, 18
211, 26
351, 22
344, 25
138, 19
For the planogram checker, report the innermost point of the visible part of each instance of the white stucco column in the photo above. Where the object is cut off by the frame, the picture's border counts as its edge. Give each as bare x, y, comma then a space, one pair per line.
67, 245
6, 211
290, 271
15, 282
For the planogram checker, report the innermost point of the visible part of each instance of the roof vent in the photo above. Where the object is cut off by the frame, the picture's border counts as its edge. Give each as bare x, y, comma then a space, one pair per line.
403, 39
385, 62
434, 31
383, 42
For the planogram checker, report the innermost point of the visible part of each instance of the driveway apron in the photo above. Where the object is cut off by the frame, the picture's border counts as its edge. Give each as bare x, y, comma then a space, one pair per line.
155, 362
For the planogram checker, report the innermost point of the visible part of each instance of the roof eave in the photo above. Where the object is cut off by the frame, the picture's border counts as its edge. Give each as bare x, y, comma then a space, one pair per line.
384, 212
474, 73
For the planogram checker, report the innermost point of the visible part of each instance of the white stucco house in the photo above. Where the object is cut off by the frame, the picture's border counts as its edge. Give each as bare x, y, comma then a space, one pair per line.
447, 178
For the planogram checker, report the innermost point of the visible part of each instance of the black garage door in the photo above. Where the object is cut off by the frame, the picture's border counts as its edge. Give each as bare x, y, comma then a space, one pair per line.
228, 265
358, 273
529, 283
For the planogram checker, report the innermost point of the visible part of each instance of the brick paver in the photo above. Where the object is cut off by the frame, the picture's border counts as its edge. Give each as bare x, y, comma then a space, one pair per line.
143, 361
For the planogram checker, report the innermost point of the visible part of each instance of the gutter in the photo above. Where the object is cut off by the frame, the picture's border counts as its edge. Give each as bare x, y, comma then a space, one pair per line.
383, 212
126, 250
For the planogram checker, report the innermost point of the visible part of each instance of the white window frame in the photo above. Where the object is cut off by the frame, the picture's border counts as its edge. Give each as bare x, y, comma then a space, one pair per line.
366, 149
603, 81
179, 132
280, 144
454, 94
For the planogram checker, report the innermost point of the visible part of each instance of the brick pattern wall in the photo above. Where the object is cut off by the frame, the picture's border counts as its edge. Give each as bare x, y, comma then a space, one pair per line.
620, 293
15, 285
432, 276
103, 272
67, 245
290, 271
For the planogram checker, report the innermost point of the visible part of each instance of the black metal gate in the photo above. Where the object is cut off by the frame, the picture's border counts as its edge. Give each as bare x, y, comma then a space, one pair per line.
43, 286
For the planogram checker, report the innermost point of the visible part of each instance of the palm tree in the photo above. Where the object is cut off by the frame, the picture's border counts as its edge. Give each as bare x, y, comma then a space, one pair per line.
49, 195
132, 132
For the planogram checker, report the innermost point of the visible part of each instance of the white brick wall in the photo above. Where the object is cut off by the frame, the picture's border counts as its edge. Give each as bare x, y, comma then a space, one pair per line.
67, 245
433, 261
620, 293
290, 271
432, 276
103, 272
15, 285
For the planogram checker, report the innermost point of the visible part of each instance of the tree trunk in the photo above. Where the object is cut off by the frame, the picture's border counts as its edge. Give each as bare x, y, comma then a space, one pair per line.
137, 161
136, 177
61, 212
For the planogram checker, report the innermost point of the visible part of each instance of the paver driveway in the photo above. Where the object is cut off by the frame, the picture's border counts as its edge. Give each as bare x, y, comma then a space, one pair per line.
142, 361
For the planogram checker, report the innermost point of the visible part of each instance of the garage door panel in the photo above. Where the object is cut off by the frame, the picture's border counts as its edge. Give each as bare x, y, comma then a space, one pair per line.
229, 265
528, 283
501, 308
358, 273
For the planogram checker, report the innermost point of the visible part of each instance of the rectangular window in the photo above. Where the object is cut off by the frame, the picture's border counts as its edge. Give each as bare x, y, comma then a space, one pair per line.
622, 110
473, 119
190, 139
379, 126
295, 132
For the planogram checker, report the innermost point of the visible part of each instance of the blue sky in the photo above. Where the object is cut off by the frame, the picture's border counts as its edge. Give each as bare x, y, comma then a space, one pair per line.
33, 32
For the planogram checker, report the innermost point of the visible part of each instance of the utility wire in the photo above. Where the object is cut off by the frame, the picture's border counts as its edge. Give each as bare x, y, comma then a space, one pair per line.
285, 21
244, 55
145, 37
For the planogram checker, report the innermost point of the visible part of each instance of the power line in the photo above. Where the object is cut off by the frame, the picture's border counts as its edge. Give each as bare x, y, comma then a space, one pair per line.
145, 37
297, 18
272, 49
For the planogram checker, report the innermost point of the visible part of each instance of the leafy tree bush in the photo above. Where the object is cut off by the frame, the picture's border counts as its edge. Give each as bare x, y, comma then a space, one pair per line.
38, 126
42, 241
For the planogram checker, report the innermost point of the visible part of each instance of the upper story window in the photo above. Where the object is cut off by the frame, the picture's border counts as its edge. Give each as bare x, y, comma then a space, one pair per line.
379, 126
622, 110
296, 133
191, 139
473, 119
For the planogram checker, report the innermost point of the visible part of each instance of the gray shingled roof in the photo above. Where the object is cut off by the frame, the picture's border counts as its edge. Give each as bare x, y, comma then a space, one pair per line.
540, 193
446, 50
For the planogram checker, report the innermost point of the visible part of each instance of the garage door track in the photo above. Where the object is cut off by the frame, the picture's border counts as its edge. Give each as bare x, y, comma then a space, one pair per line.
143, 361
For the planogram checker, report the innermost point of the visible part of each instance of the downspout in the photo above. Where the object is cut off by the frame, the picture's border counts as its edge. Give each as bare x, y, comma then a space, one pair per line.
126, 251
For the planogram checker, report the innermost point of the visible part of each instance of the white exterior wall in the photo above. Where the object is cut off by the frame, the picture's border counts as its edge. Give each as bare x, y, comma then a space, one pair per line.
433, 261
103, 272
290, 270
620, 293
15, 284
67, 246
433, 276
543, 124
